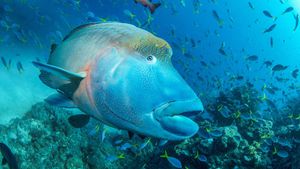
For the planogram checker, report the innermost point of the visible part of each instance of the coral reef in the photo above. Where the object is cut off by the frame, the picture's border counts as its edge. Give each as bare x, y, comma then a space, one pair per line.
44, 139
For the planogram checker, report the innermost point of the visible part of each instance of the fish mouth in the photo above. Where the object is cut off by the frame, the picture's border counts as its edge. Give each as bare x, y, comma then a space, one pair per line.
176, 117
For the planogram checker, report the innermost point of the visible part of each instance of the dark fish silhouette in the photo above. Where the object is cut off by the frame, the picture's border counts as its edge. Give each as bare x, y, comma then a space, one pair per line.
250, 5
287, 10
267, 63
278, 68
222, 51
271, 42
203, 63
295, 73
217, 18
6, 64
8, 157
296, 17
270, 29
252, 58
269, 15
20, 67
193, 43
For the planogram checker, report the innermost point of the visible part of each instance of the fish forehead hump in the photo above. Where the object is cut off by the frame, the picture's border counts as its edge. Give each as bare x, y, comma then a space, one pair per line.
86, 42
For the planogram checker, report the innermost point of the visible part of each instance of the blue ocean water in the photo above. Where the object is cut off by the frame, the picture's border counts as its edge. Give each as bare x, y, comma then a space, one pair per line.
241, 58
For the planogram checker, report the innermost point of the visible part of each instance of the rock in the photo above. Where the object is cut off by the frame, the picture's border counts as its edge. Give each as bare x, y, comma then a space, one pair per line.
229, 141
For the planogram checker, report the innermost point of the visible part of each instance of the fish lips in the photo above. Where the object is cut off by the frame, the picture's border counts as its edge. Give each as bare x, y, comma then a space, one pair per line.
176, 117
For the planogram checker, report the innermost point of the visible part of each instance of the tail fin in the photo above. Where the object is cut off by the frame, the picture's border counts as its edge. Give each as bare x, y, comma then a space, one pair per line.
153, 7
165, 155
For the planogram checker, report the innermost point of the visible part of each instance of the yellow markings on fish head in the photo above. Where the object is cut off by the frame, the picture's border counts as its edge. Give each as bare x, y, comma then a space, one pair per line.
151, 45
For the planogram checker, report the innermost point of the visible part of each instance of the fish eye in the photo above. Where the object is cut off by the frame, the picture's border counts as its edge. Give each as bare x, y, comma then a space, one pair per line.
151, 58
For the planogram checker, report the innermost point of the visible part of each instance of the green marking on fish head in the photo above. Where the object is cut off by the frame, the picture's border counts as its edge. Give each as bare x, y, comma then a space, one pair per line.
151, 45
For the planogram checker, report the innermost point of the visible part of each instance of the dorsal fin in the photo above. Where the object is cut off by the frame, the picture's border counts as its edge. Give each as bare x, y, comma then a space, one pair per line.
78, 28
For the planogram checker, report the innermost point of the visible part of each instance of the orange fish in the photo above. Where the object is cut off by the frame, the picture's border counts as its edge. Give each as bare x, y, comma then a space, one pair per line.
148, 4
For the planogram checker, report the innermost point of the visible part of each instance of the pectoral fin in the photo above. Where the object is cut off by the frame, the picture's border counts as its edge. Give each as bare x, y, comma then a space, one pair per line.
131, 134
57, 78
60, 100
79, 120
142, 136
4, 161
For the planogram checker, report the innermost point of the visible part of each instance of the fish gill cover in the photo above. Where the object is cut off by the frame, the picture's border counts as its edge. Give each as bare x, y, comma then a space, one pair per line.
241, 58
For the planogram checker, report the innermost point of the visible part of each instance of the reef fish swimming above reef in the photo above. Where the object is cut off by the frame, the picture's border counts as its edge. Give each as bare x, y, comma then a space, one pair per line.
122, 76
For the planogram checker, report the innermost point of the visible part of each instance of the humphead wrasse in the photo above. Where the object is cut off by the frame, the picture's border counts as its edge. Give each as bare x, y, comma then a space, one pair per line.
122, 76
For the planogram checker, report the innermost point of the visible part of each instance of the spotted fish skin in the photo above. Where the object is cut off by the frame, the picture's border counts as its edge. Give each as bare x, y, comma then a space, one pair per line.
123, 76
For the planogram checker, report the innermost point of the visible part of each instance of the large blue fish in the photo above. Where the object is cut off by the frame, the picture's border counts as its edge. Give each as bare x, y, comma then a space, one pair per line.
122, 76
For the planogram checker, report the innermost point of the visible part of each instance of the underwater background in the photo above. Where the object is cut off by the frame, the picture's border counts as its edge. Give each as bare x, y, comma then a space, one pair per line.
241, 58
